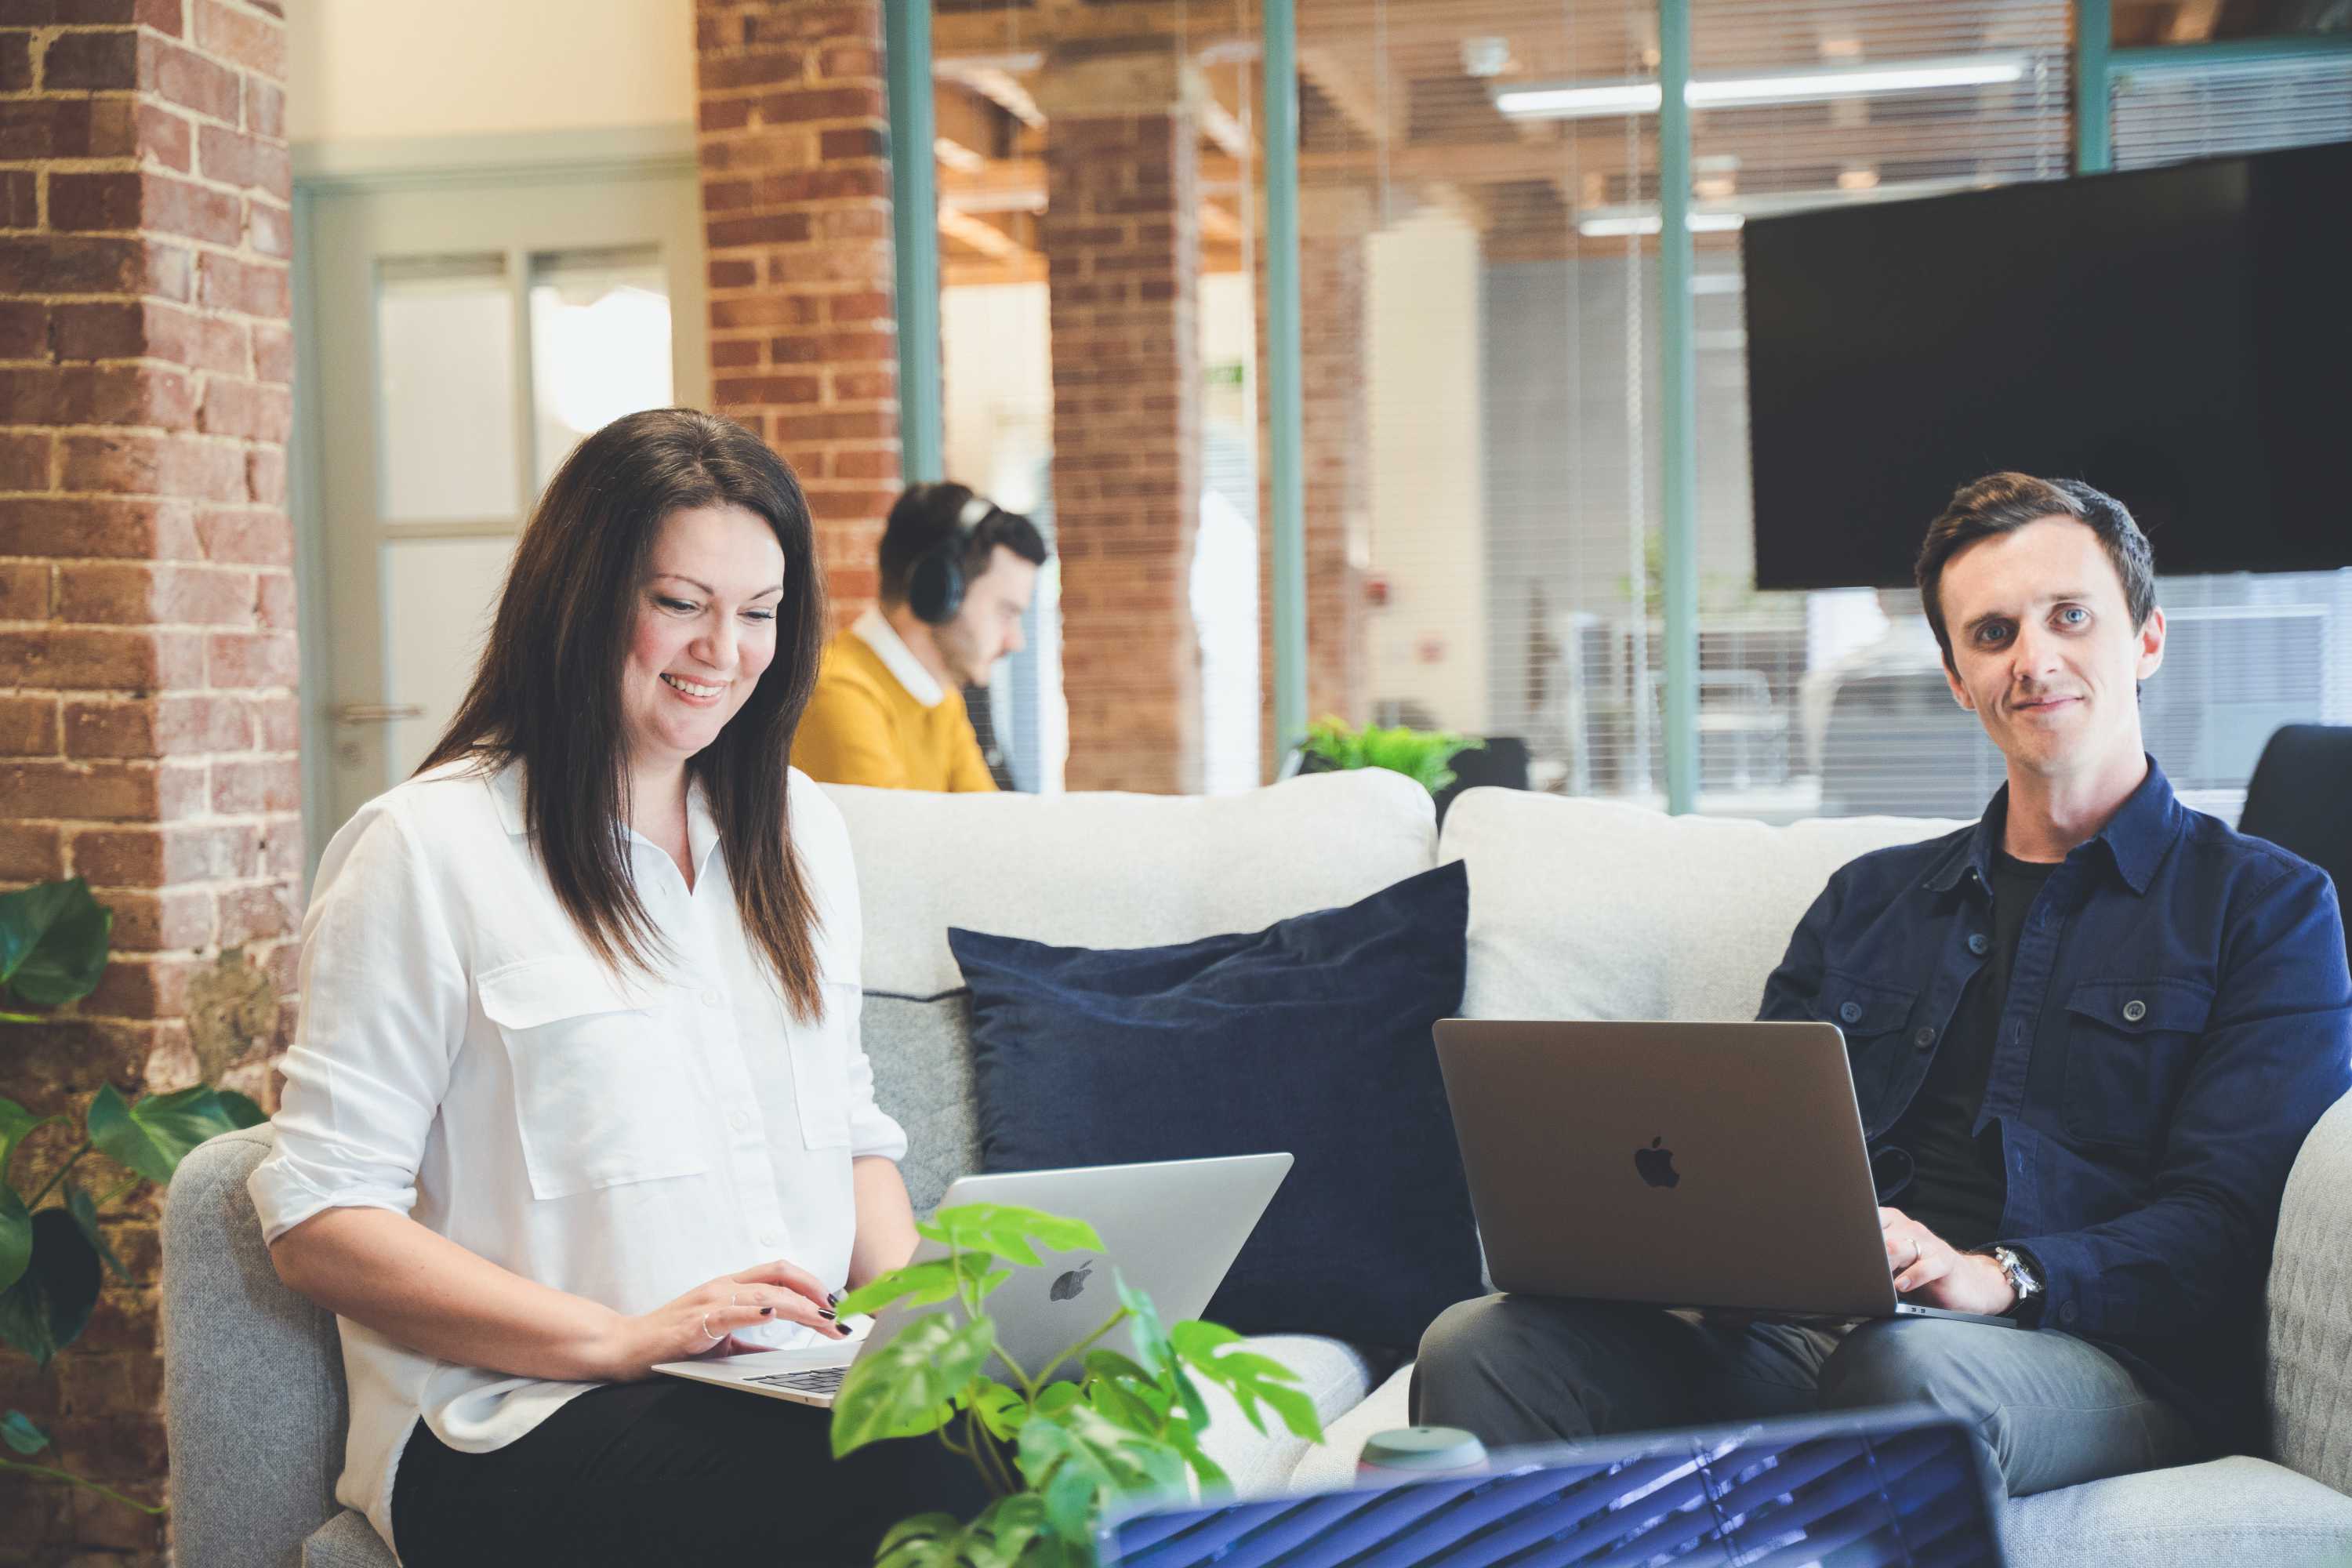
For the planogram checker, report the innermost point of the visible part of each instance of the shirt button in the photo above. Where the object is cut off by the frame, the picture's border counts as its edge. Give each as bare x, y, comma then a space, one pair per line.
2066, 1313
1924, 1038
1977, 942
770, 1239
735, 1120
2134, 1010
712, 999
1850, 1012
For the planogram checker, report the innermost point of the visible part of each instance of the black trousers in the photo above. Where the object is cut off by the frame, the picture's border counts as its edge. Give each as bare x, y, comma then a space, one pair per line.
665, 1471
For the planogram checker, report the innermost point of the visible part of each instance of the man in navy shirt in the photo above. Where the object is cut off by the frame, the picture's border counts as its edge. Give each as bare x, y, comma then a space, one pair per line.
2088, 1037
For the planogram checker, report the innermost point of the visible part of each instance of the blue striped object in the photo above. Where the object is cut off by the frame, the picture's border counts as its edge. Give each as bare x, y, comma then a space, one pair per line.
1868, 1491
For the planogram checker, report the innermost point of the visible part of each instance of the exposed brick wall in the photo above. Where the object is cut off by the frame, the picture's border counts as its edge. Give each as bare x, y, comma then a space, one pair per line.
1334, 225
1121, 235
147, 660
796, 208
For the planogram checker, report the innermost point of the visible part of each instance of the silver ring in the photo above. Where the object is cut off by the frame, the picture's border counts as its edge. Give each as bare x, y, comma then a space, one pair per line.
707, 1334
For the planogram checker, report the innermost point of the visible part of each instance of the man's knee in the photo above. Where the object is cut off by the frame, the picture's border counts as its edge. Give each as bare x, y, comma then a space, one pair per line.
1914, 1361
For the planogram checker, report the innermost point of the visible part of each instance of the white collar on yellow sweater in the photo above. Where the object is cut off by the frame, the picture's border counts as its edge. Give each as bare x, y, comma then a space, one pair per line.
899, 660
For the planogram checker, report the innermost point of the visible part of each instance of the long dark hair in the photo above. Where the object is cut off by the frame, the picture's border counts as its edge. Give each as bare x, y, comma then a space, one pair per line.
548, 692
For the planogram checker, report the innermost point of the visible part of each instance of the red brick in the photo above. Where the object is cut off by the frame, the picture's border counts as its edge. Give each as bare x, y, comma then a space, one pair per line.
65, 128
80, 264
25, 459
253, 42
768, 310
178, 724
103, 526
265, 475
134, 987
234, 158
767, 389
155, 856
863, 305
162, 15
830, 101
273, 353
168, 137
250, 786
236, 659
15, 62
24, 329
83, 791
97, 394
734, 274
271, 227
131, 593
20, 198
99, 62
189, 80
855, 465
276, 601
28, 726
851, 424
130, 464
225, 283
253, 914
151, 921
251, 536
778, 228
750, 70
31, 853
242, 408
87, 659
852, 144
25, 590
265, 109
278, 722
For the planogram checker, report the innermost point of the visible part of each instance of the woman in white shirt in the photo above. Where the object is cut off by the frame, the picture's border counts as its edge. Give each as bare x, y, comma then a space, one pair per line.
577, 1086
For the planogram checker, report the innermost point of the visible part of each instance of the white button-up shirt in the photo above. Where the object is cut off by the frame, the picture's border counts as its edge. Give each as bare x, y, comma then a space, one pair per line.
464, 1059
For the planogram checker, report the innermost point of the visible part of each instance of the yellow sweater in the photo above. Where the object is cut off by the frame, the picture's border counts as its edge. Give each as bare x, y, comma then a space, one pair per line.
865, 727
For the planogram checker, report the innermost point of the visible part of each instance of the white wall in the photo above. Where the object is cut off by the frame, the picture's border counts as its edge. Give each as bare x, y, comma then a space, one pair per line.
1429, 504
370, 69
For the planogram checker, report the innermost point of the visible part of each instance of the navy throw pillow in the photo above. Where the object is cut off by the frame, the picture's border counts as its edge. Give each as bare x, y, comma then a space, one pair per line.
1312, 1037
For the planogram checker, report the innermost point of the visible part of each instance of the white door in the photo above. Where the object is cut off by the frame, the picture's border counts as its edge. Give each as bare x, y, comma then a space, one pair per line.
467, 338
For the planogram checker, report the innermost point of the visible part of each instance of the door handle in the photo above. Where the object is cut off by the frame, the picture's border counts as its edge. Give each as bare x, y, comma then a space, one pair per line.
377, 713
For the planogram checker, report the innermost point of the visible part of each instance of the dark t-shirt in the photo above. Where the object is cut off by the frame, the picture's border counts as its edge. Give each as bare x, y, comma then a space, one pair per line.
1958, 1188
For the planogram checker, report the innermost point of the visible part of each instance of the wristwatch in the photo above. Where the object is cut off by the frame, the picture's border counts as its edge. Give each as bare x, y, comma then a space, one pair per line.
2021, 1277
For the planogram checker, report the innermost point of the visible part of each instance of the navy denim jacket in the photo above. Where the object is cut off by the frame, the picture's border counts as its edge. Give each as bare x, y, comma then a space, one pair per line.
2178, 1016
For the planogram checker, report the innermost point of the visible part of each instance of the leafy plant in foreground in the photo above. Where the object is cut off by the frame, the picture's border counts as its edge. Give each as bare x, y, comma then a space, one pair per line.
1054, 1449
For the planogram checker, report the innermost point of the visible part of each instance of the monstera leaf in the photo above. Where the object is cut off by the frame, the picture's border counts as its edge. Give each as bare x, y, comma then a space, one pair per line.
151, 1134
48, 1305
53, 940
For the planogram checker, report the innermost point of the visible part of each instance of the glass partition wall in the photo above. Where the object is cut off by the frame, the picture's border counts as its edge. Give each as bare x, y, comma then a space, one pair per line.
1487, 362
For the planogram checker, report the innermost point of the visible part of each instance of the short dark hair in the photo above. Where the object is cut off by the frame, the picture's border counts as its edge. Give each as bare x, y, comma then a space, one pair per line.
929, 513
1998, 503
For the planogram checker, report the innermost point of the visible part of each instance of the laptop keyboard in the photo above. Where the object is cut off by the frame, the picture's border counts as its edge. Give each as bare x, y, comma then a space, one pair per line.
816, 1380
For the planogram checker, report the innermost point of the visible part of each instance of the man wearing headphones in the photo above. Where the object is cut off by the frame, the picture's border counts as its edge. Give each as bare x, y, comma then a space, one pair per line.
958, 574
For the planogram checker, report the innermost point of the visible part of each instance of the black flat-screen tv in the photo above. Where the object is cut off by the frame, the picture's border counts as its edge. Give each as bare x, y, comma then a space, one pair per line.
2179, 337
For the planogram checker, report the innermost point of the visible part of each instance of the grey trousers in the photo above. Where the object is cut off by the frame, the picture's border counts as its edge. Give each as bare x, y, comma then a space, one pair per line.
2049, 1409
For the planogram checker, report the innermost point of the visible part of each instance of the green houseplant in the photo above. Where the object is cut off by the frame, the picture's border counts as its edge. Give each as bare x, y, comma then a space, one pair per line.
1054, 1450
1424, 756
53, 947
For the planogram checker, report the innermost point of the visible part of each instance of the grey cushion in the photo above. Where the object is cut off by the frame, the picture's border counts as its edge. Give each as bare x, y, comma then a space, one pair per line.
2311, 1309
922, 1052
2240, 1511
253, 1375
348, 1540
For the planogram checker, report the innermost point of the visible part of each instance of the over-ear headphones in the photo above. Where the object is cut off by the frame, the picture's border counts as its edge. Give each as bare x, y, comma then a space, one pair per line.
935, 583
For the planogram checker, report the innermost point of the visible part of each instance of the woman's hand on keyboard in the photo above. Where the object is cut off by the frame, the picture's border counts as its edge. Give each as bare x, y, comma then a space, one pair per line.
703, 1321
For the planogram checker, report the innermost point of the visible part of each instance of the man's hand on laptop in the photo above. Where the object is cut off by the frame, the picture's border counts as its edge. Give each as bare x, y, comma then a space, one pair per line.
1931, 1272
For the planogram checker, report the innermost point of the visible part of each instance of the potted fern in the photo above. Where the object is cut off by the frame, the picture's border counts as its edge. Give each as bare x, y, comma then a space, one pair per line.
1057, 1445
1424, 756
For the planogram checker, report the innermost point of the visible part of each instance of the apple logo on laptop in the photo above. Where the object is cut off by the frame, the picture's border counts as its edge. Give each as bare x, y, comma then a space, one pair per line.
1070, 1286
1656, 1164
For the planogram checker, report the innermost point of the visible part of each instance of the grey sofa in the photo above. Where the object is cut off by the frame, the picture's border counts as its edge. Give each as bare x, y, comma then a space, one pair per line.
1578, 909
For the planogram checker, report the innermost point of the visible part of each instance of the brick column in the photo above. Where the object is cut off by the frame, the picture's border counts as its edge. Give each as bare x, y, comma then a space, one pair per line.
147, 660
1334, 223
1121, 235
796, 208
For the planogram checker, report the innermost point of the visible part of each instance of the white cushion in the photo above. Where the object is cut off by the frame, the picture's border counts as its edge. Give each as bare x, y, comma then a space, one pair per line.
2310, 1362
1335, 1377
1119, 870
1586, 908
2238, 1512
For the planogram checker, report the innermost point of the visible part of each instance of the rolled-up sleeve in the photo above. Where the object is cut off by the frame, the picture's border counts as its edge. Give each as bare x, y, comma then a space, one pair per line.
382, 1014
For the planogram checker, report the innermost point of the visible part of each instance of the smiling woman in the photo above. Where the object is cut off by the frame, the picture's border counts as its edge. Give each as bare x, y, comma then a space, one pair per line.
594, 970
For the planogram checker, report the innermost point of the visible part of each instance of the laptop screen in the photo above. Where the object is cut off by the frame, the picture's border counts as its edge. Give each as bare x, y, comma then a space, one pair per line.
1855, 1491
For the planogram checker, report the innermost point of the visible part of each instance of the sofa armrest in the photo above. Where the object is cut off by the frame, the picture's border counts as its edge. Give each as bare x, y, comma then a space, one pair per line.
2310, 1322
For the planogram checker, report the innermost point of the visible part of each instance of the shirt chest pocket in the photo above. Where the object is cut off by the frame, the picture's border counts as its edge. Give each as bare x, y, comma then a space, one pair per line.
2128, 1046
603, 1095
1871, 1017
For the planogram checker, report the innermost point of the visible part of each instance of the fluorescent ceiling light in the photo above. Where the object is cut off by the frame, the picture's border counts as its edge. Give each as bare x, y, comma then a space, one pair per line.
1618, 225
1587, 99
1642, 218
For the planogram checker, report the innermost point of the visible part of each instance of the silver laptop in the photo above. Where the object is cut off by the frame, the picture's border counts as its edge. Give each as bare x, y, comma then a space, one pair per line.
1685, 1164
1170, 1228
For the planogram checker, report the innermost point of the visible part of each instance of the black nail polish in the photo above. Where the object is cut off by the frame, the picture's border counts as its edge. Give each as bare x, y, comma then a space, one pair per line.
833, 1298
767, 1311
826, 1312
